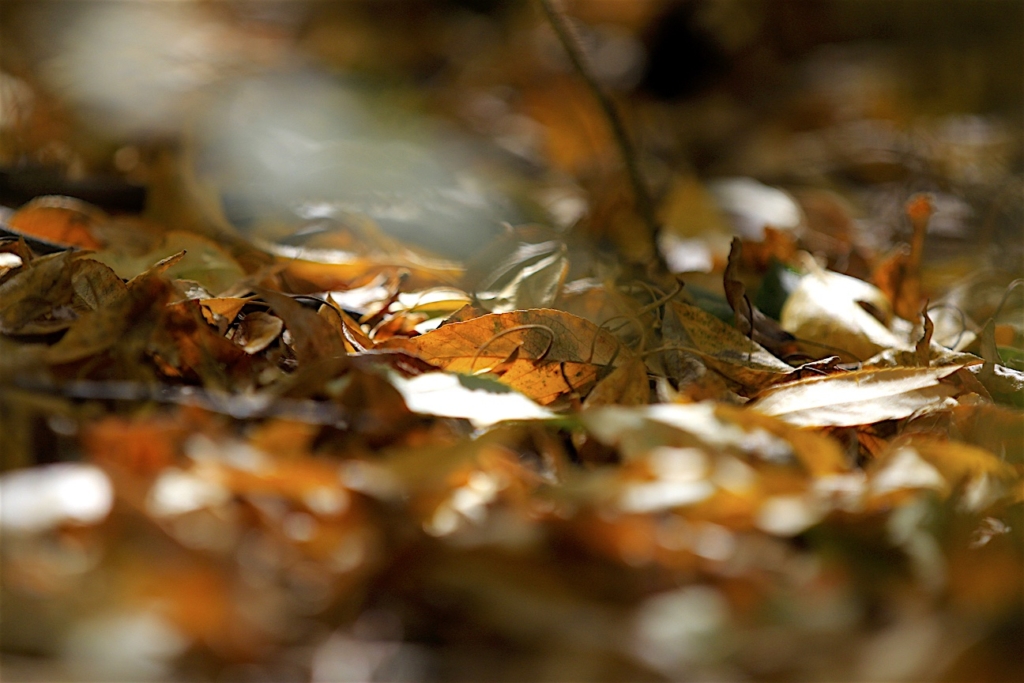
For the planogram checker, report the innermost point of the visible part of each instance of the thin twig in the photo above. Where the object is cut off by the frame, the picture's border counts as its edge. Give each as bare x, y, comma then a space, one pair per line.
571, 44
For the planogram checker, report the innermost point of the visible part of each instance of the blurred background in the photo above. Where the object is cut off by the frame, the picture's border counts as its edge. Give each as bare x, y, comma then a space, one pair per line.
440, 120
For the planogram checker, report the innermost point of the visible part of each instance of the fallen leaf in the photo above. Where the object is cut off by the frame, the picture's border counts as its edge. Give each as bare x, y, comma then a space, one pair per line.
520, 274
820, 454
958, 461
1004, 384
482, 401
30, 297
96, 284
721, 346
926, 462
203, 260
627, 385
996, 428
14, 253
858, 398
557, 353
186, 342
227, 308
156, 269
899, 276
923, 347
826, 309
314, 337
433, 302
59, 220
257, 331
351, 332
332, 270
751, 206
750, 321
636, 430
134, 316
467, 312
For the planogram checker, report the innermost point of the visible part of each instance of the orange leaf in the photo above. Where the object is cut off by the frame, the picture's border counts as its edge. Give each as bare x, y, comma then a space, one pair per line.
59, 220
555, 353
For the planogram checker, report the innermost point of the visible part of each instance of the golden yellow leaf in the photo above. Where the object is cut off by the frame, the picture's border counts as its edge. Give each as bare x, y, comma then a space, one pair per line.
721, 346
227, 307
542, 353
349, 329
627, 385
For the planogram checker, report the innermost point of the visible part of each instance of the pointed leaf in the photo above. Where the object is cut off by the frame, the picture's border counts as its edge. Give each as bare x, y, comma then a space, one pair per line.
34, 291
825, 308
556, 353
722, 346
314, 337
257, 331
858, 398
96, 284
59, 220
482, 401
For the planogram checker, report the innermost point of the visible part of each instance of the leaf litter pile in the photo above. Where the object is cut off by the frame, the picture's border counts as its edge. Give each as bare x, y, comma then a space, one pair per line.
563, 459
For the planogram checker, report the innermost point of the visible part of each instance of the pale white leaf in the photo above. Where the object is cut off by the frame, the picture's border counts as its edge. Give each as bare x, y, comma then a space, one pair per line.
858, 398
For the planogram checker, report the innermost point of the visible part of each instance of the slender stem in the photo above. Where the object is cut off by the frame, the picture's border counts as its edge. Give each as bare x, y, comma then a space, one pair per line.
571, 44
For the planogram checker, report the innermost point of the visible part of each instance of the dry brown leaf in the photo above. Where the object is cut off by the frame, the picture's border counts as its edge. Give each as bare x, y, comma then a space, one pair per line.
923, 348
899, 275
776, 245
339, 275
722, 465
156, 269
958, 461
858, 398
467, 312
140, 447
927, 462
555, 353
314, 337
30, 296
355, 339
16, 247
185, 341
750, 321
257, 331
996, 428
96, 284
481, 400
627, 385
99, 330
225, 307
721, 346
